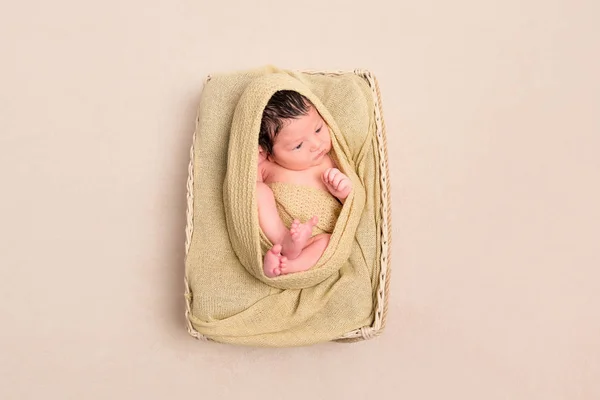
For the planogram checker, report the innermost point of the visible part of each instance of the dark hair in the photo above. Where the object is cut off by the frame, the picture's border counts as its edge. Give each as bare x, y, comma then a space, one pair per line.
283, 105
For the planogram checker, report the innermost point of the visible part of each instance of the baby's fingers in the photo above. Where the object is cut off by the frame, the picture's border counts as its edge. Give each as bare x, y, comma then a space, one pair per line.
342, 186
330, 174
339, 178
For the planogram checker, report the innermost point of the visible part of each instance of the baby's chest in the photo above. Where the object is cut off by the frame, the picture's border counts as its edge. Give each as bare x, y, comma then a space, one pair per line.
310, 178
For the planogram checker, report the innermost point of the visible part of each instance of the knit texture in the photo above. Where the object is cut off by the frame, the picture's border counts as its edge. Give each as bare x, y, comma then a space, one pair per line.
303, 202
232, 300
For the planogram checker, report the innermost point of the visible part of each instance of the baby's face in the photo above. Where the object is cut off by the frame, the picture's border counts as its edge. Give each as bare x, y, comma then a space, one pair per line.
303, 142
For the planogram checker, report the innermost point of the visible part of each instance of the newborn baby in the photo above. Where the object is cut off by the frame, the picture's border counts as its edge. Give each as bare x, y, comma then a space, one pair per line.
294, 145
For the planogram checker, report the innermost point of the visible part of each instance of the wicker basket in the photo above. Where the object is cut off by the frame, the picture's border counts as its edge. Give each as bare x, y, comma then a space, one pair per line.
382, 295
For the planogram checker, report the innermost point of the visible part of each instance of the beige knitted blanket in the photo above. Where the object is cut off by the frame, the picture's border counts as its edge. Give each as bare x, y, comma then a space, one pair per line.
232, 300
303, 202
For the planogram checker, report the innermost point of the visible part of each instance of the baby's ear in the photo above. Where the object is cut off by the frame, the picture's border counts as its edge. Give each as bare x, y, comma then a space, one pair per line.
262, 155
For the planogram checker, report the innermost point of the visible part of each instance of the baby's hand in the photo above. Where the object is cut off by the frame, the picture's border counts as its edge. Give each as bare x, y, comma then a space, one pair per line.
337, 183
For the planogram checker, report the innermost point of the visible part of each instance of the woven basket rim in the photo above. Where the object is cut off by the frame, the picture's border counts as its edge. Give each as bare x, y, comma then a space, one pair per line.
382, 295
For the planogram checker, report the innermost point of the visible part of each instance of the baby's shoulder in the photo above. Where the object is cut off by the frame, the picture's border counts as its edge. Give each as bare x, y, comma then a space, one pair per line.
264, 170
274, 172
269, 171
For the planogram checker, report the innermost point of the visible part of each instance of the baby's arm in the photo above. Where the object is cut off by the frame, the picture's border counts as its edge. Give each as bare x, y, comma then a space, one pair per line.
338, 184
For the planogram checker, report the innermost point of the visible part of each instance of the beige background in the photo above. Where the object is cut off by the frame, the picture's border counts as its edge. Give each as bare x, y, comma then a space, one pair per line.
494, 136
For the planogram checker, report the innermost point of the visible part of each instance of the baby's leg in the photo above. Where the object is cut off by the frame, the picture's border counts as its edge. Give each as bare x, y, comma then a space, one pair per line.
309, 256
301, 235
293, 240
268, 217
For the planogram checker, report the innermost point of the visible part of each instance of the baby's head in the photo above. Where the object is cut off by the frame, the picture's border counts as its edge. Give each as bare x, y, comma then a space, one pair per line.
292, 132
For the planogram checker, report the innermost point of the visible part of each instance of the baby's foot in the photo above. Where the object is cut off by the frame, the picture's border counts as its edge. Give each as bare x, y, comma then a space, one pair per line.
299, 235
272, 262
293, 266
283, 266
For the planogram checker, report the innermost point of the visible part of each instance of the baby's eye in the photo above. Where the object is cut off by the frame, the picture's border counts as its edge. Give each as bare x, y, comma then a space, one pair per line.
298, 147
319, 130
